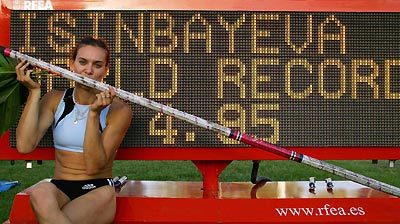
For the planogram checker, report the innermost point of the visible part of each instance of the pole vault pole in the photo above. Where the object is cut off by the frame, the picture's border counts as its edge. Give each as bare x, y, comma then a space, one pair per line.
230, 133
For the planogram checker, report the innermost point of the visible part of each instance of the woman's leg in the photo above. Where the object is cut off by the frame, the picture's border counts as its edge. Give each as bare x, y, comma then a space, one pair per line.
97, 206
46, 201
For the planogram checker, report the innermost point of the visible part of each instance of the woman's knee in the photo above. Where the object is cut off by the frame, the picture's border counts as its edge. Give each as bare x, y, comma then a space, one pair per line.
108, 194
39, 197
106, 203
39, 192
43, 196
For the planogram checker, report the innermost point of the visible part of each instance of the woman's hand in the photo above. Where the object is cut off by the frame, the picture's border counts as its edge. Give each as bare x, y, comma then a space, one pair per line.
103, 99
24, 76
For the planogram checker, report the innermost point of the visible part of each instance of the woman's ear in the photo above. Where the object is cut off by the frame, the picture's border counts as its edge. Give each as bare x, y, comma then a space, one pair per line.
107, 71
71, 65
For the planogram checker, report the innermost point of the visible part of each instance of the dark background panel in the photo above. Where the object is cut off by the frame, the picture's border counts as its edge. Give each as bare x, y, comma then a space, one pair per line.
363, 120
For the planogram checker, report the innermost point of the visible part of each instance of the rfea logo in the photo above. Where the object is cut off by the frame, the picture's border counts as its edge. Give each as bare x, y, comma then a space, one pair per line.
38, 5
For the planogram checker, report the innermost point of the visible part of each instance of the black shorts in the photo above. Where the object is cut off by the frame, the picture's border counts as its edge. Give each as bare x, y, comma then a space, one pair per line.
76, 188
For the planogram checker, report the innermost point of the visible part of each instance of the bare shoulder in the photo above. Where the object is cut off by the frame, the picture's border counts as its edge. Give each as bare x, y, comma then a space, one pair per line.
52, 98
119, 116
54, 93
121, 108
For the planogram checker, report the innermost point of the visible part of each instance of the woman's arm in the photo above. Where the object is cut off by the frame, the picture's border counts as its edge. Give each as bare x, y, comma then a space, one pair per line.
37, 114
100, 148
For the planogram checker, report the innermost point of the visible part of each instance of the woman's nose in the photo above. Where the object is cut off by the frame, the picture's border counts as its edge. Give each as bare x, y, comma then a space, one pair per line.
89, 69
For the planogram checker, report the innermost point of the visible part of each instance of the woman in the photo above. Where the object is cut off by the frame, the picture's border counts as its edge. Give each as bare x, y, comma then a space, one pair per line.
86, 140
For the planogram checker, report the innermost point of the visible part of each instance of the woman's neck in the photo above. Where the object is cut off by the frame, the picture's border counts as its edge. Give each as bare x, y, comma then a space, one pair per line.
84, 95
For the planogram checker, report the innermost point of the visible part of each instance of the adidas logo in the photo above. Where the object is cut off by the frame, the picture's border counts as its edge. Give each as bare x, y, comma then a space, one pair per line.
88, 187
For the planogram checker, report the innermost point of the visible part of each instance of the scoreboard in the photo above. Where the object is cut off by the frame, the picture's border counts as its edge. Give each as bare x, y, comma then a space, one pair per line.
316, 79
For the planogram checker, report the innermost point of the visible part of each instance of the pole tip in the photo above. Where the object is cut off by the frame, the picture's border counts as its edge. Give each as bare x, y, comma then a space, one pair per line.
5, 51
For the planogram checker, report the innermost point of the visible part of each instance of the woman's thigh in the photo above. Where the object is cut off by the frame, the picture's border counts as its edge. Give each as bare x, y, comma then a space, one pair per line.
97, 206
46, 197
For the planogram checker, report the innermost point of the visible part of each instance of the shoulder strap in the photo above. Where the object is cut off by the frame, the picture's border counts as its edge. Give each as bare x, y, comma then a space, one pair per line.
100, 128
69, 104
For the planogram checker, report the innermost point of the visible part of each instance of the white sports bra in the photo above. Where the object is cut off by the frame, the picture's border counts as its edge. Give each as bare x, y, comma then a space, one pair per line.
69, 133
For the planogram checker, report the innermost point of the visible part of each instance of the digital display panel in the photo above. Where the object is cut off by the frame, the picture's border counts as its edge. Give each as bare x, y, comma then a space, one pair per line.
288, 78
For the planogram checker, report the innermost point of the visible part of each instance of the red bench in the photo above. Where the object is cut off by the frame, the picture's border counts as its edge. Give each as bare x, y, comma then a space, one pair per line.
186, 202
212, 201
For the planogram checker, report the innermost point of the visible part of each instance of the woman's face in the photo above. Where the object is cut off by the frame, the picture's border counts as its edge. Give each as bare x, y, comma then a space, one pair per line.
91, 62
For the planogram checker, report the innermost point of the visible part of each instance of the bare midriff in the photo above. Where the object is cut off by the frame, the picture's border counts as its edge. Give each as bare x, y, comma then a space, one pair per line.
71, 166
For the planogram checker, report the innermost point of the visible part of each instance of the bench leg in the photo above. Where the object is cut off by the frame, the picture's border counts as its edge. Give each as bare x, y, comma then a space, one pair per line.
211, 171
